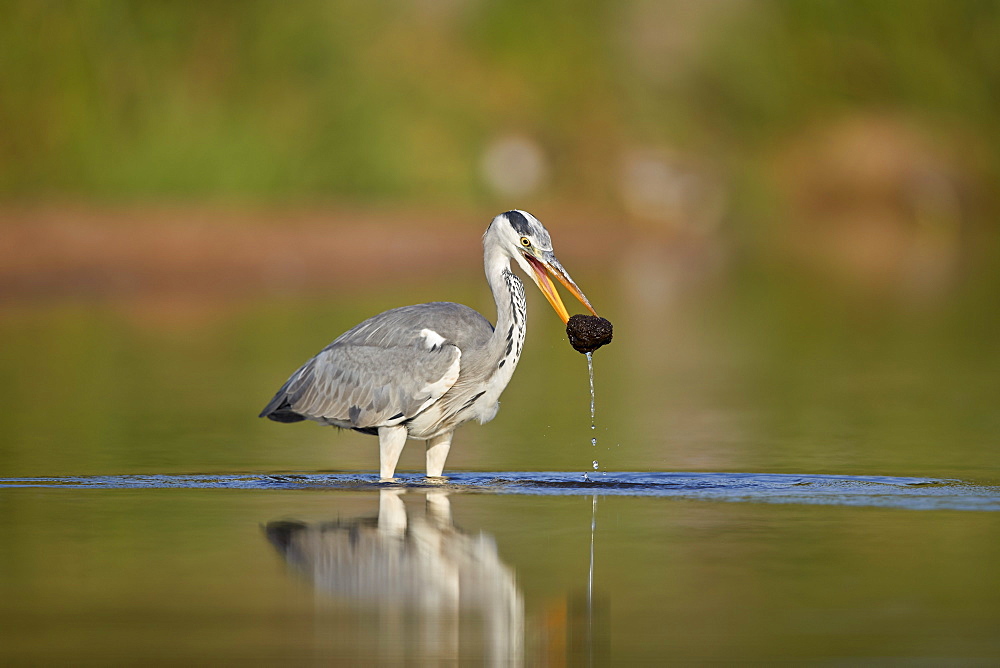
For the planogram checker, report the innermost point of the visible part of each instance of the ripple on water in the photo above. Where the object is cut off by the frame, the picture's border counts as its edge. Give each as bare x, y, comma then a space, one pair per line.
886, 491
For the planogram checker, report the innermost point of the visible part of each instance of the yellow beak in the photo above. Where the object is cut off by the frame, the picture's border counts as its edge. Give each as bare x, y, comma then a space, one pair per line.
548, 264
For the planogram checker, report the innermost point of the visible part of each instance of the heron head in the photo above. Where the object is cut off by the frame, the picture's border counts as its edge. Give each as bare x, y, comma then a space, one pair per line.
528, 243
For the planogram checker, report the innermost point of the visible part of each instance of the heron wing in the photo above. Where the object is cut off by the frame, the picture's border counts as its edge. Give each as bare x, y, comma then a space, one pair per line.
383, 371
367, 386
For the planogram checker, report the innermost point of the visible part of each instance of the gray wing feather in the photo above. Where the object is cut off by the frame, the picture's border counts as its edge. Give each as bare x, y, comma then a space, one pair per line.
381, 372
368, 386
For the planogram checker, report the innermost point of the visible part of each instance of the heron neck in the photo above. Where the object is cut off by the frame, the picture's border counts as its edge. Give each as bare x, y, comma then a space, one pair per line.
511, 322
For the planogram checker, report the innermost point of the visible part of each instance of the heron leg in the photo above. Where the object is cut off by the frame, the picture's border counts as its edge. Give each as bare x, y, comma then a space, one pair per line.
390, 445
437, 453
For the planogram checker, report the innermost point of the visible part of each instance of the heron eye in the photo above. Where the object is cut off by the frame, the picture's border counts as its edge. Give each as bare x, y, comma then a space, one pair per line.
525, 241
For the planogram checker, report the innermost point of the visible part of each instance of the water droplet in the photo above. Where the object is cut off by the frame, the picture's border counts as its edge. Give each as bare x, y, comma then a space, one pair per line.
590, 368
593, 441
595, 464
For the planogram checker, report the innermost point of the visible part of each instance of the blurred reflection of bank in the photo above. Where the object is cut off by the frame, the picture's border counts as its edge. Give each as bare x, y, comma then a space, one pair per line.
867, 213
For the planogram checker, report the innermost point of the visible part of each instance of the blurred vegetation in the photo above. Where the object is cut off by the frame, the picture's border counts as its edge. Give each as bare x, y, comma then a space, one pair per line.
397, 101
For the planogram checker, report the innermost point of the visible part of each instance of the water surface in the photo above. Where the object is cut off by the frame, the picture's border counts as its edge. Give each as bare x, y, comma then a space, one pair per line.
887, 491
334, 568
778, 482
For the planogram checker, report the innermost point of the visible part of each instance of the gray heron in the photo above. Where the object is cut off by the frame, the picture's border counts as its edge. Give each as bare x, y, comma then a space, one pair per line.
421, 371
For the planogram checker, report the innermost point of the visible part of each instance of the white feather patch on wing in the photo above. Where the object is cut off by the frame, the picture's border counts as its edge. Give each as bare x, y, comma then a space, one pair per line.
432, 339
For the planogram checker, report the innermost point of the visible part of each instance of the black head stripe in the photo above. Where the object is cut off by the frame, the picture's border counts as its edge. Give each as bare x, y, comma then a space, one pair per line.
519, 222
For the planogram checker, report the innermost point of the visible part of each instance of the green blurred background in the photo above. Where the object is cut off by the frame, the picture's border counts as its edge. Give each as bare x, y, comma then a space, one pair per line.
788, 208
400, 101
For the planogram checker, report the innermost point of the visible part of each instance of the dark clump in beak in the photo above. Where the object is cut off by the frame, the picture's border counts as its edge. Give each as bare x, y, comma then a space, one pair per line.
587, 333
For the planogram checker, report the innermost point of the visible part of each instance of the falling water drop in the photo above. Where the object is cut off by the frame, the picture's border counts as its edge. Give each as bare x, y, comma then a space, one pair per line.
590, 368
593, 423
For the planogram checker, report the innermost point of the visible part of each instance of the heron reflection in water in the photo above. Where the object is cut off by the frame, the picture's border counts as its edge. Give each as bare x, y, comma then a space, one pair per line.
398, 565
421, 371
